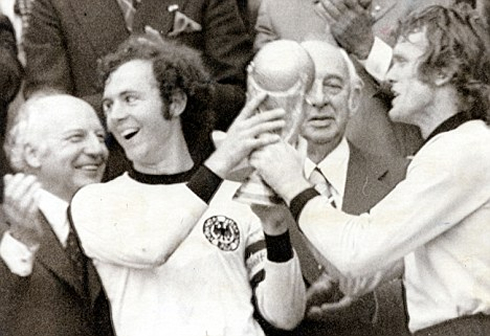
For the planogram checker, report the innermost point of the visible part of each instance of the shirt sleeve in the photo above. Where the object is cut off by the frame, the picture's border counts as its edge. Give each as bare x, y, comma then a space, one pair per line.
278, 285
135, 228
427, 203
379, 59
18, 257
264, 31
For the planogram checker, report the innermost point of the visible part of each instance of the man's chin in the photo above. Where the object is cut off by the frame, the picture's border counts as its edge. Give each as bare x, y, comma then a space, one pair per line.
89, 177
395, 114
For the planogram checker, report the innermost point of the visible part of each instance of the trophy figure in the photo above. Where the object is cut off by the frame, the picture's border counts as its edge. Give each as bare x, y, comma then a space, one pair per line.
285, 71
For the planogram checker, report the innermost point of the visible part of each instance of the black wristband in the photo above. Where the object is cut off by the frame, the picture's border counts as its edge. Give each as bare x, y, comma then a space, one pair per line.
279, 248
299, 201
204, 183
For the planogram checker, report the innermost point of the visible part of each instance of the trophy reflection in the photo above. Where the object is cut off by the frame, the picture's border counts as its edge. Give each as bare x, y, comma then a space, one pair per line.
285, 71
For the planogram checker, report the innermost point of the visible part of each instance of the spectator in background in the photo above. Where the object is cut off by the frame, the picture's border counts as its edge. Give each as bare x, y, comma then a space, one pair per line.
301, 20
183, 259
65, 39
10, 81
357, 181
436, 220
47, 286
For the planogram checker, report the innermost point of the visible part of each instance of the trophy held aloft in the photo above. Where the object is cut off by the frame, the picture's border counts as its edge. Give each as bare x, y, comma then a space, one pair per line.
285, 71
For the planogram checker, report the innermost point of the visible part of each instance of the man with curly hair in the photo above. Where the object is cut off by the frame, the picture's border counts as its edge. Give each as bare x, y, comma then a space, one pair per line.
174, 253
435, 222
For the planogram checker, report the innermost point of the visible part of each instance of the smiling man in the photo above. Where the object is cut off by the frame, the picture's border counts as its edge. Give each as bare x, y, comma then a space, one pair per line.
175, 254
56, 146
436, 220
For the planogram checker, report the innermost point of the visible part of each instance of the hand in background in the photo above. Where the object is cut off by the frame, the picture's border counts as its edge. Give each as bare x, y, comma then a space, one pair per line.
21, 208
326, 303
350, 24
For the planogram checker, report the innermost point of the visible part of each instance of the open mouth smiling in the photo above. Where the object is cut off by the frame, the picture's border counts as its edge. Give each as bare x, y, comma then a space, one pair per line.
129, 133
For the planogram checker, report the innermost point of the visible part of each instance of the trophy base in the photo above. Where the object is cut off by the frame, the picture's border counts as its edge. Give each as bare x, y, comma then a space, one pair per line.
255, 191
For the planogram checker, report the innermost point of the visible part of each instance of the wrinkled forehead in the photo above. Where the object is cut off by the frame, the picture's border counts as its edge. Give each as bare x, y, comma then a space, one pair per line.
130, 76
57, 115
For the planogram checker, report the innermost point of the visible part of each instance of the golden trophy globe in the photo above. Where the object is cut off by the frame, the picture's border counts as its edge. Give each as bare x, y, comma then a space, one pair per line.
285, 71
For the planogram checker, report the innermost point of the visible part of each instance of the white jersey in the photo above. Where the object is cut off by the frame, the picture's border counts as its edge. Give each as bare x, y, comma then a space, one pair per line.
160, 284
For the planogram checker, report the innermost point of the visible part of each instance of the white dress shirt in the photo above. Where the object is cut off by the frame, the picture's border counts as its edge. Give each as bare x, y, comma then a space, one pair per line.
334, 168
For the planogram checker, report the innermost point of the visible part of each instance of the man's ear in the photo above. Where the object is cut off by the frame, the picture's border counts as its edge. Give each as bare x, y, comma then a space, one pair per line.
178, 102
355, 100
444, 75
32, 156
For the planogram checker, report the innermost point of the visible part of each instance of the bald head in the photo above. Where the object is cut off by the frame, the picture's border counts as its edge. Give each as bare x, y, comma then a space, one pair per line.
60, 139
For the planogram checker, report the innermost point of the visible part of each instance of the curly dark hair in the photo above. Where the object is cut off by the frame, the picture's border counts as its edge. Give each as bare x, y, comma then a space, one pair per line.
457, 40
175, 67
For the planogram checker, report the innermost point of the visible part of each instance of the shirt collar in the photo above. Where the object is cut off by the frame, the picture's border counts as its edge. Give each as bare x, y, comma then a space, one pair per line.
54, 209
333, 166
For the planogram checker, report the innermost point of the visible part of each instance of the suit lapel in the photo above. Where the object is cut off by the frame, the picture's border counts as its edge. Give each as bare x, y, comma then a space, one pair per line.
364, 187
52, 255
102, 21
155, 13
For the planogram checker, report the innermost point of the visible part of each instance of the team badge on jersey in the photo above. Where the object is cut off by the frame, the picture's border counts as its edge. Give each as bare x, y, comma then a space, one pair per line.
222, 232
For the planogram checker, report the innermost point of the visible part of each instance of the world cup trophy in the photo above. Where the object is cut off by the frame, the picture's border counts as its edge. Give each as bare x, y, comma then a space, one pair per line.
285, 72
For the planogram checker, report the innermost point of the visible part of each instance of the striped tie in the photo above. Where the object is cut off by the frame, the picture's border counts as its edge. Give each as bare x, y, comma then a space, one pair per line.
324, 187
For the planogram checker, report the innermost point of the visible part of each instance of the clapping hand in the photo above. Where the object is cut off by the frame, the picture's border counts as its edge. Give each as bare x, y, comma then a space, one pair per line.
20, 207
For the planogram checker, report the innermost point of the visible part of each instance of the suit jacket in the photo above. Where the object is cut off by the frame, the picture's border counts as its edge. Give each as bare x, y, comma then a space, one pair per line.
370, 128
49, 301
369, 179
65, 38
10, 79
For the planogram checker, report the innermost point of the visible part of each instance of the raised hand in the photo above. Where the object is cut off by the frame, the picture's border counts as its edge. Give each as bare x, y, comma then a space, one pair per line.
20, 207
350, 24
249, 131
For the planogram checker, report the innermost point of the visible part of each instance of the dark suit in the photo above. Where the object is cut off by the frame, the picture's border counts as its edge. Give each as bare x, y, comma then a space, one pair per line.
65, 39
49, 301
10, 79
369, 179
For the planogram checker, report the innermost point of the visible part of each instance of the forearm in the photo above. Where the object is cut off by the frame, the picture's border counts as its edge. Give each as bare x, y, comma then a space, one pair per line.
10, 68
18, 257
281, 296
264, 30
13, 287
379, 60
44, 45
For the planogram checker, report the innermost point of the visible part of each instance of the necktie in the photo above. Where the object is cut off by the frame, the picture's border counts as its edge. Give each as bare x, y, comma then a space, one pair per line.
324, 187
77, 258
128, 10
310, 258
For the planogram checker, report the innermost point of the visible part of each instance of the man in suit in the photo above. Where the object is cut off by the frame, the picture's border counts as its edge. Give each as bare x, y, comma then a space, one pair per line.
47, 285
10, 79
300, 20
357, 180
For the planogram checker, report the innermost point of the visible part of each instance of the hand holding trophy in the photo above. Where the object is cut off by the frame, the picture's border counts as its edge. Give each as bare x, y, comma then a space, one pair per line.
285, 71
